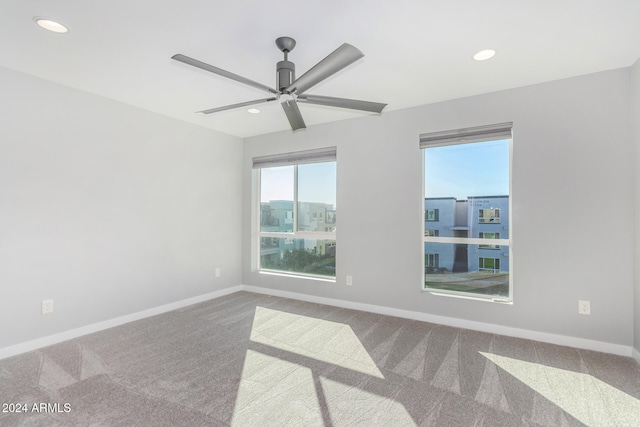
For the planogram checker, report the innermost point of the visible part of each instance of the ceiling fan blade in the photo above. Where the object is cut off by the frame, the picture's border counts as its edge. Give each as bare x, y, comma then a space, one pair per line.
232, 106
340, 58
219, 71
354, 104
292, 111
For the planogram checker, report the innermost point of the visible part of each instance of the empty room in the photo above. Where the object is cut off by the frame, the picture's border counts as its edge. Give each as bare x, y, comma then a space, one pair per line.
337, 213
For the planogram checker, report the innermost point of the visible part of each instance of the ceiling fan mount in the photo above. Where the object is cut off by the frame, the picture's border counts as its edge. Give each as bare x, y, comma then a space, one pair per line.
289, 90
285, 44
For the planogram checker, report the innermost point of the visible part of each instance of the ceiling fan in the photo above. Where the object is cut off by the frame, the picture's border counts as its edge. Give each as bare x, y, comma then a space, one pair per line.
289, 90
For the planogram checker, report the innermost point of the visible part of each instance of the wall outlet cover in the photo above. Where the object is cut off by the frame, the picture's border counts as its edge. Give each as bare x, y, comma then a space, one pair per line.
584, 307
47, 306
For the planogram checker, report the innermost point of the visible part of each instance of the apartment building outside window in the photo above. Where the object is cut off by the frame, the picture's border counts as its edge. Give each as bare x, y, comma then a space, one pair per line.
296, 198
467, 206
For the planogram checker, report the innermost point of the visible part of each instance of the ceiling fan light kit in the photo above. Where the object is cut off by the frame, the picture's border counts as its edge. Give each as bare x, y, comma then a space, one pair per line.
289, 90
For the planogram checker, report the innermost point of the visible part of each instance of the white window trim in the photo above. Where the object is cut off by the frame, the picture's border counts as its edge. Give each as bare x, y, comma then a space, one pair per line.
493, 132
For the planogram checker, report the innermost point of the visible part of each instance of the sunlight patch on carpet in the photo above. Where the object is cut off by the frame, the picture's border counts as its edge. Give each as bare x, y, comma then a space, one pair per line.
275, 392
359, 407
326, 341
586, 398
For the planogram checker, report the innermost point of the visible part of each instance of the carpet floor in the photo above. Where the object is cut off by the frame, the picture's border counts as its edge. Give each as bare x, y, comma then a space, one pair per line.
255, 360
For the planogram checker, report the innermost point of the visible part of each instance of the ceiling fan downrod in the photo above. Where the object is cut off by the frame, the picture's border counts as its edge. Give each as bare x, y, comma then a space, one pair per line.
285, 69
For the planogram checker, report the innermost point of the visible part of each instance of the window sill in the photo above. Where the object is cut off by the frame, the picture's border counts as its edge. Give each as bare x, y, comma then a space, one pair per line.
297, 276
497, 300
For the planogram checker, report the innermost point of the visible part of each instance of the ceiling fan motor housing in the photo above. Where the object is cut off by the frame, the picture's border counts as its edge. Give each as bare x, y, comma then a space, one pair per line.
285, 74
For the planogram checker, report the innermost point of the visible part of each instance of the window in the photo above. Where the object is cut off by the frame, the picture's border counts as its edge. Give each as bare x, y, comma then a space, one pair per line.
432, 261
488, 235
467, 189
431, 214
492, 264
489, 216
297, 212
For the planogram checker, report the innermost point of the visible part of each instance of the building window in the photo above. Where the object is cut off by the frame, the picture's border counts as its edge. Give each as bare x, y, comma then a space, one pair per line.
489, 216
490, 264
488, 235
432, 261
431, 214
467, 190
296, 192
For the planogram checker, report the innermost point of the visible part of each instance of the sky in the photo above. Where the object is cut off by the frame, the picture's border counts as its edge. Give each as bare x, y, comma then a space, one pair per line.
316, 183
462, 170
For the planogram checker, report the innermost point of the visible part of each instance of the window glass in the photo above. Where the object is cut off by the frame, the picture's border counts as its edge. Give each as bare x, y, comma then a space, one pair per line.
466, 203
305, 256
448, 267
297, 231
467, 169
276, 198
317, 196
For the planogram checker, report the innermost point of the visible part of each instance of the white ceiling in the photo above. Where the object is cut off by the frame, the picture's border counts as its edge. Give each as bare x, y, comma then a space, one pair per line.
416, 51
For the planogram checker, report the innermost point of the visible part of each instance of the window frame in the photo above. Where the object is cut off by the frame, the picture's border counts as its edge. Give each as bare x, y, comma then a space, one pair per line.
432, 256
473, 135
495, 219
436, 215
481, 260
318, 235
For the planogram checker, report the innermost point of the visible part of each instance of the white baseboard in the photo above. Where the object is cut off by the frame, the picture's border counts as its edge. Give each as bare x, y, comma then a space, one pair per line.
575, 342
564, 340
24, 347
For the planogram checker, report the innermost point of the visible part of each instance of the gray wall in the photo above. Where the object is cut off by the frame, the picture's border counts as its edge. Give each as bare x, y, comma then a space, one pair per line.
635, 70
107, 209
573, 161
111, 210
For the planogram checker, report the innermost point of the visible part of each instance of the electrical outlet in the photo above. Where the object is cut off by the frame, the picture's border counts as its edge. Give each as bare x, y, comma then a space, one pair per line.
349, 280
47, 306
584, 307
218, 272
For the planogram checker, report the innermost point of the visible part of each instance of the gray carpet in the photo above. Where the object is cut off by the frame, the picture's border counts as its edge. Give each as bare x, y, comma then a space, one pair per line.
253, 360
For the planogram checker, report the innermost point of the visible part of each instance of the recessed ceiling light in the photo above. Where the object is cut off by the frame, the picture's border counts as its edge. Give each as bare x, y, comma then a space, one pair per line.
483, 55
50, 25
253, 110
